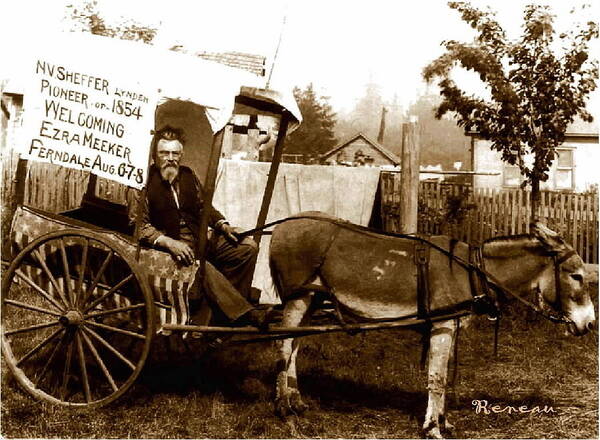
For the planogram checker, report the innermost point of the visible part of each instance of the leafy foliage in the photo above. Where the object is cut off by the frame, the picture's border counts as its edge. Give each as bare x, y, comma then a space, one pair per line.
536, 91
447, 219
315, 135
442, 140
86, 17
366, 117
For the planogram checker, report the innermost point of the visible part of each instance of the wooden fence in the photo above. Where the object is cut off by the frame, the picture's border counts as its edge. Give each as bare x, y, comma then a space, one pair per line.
473, 215
54, 188
468, 214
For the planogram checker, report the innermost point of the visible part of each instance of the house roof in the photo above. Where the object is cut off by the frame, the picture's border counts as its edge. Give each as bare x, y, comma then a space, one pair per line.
581, 128
388, 154
245, 61
240, 60
578, 128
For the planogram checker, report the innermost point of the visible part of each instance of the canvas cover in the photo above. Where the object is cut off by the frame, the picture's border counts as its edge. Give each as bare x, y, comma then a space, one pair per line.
372, 275
344, 192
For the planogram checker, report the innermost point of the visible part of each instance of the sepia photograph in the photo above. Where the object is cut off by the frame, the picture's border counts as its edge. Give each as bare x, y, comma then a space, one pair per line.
314, 219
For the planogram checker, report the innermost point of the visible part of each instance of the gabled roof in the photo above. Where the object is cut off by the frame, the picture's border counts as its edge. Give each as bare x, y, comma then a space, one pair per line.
388, 154
240, 60
581, 128
578, 128
245, 61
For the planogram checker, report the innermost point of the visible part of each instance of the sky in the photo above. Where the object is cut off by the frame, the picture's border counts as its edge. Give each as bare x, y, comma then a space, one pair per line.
339, 46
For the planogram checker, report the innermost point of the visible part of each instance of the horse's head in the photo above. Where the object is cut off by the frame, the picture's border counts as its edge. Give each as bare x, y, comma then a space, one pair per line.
562, 284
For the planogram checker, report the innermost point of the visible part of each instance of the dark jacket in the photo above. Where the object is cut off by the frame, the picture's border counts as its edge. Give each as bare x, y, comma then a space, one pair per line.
162, 209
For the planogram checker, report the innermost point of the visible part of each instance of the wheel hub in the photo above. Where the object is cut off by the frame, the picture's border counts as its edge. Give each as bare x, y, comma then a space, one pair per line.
71, 318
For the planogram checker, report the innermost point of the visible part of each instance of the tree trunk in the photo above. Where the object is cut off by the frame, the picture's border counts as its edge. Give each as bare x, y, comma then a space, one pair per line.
535, 199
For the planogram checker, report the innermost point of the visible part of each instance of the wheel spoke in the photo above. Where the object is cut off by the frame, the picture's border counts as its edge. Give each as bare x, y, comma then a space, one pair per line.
83, 369
79, 290
116, 330
66, 370
96, 280
40, 376
38, 347
30, 328
66, 270
110, 292
109, 347
99, 361
48, 272
118, 310
38, 289
30, 307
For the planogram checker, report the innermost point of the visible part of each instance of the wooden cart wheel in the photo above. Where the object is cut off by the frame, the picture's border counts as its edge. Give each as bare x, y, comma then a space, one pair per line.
77, 318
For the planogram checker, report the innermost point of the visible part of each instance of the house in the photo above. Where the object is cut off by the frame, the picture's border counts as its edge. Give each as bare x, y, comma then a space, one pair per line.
575, 169
359, 150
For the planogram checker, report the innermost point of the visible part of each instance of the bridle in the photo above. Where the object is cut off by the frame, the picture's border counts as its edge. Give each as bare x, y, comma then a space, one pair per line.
558, 260
552, 315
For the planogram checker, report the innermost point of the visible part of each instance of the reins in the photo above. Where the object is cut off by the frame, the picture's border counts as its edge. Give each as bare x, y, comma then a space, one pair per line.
477, 268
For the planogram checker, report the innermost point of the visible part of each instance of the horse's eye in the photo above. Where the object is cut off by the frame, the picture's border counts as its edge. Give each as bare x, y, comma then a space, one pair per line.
577, 277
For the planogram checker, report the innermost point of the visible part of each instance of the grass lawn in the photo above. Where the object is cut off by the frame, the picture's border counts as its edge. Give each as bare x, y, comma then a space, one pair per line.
364, 386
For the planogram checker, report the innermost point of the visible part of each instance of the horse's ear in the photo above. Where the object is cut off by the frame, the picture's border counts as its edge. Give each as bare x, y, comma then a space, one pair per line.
549, 239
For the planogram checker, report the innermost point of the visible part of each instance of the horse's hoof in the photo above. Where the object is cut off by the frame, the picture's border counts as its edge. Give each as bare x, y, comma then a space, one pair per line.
283, 408
297, 404
433, 433
448, 427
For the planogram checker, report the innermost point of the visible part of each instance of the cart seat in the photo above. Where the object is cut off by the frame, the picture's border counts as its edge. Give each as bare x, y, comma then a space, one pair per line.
102, 213
168, 280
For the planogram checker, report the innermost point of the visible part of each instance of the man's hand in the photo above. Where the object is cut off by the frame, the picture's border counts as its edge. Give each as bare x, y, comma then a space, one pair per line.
179, 249
231, 233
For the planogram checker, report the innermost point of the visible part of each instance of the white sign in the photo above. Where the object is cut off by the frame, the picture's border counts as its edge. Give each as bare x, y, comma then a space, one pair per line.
89, 116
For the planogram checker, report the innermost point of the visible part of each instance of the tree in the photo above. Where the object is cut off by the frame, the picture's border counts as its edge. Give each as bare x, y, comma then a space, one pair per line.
315, 135
365, 117
442, 140
86, 17
536, 90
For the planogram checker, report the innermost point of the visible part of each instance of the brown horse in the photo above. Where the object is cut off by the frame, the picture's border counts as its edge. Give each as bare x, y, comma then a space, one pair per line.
374, 276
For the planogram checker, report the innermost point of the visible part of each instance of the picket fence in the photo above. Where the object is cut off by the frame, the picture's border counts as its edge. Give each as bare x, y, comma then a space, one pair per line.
54, 188
475, 214
466, 213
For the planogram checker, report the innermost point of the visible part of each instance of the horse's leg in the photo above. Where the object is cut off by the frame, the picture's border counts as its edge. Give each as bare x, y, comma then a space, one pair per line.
287, 396
441, 343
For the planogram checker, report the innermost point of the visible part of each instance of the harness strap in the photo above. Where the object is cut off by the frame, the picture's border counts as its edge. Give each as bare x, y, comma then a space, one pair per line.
423, 294
467, 265
496, 335
455, 367
557, 262
535, 308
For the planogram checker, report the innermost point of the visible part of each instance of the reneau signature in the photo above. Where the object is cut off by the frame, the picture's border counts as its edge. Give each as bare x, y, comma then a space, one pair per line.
484, 407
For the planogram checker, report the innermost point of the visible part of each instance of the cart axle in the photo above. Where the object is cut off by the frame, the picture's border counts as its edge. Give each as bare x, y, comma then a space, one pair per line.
71, 318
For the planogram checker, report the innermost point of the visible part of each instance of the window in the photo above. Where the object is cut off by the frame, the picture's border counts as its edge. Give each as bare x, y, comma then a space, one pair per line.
512, 175
564, 177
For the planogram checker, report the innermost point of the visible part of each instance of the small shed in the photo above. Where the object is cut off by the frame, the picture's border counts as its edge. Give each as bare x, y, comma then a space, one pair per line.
359, 150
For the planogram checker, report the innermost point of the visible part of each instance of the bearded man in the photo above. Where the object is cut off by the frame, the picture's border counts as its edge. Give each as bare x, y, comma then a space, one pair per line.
170, 221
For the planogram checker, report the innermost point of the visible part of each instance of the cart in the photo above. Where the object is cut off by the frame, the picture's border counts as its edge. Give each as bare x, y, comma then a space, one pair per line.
82, 302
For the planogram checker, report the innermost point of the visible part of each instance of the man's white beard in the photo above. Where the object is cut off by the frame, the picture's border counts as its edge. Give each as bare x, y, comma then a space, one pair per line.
169, 172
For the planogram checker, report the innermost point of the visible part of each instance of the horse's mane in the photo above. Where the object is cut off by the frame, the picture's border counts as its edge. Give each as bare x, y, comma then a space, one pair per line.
509, 238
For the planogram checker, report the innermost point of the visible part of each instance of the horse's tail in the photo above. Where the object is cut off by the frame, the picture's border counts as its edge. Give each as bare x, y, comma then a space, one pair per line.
276, 278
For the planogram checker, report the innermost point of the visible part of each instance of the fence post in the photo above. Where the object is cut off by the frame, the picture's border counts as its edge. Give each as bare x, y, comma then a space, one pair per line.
409, 179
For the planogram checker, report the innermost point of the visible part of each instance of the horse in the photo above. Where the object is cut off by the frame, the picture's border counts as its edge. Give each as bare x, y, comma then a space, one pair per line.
375, 276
